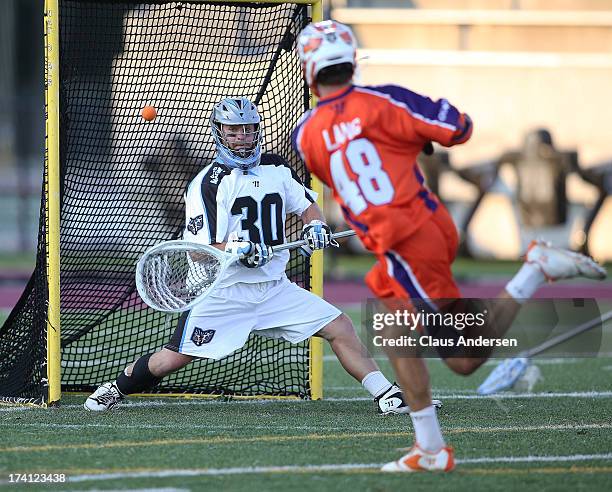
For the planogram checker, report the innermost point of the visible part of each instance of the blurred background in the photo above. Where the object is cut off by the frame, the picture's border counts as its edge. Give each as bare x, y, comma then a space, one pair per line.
533, 74
535, 77
22, 125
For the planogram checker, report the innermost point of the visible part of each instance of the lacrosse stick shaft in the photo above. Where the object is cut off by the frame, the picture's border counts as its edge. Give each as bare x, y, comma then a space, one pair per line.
302, 242
553, 342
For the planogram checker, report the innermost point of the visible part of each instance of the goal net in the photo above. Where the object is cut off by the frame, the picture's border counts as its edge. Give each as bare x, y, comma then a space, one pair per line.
122, 180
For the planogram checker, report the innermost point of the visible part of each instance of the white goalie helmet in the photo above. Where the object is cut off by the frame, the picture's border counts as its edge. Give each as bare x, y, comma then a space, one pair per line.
236, 128
324, 44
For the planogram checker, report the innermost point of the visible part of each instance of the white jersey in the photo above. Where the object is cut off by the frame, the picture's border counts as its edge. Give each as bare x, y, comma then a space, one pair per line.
253, 204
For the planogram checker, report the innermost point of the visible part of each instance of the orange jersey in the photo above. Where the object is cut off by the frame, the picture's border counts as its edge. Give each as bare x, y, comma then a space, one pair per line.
363, 142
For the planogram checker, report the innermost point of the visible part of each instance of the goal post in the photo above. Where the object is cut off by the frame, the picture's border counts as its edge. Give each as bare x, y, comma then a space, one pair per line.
113, 186
52, 194
316, 269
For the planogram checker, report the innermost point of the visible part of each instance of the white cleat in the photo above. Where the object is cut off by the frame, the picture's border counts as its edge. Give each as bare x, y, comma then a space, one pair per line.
418, 460
556, 263
105, 398
391, 402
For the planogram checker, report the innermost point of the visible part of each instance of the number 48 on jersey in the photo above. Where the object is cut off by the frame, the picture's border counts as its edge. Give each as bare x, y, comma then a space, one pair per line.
373, 185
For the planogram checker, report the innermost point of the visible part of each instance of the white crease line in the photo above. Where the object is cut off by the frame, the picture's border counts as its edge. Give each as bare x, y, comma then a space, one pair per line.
434, 390
537, 459
213, 427
502, 396
320, 468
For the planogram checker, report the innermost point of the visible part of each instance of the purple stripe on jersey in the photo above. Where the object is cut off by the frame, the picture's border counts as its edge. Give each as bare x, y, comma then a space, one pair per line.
401, 275
467, 127
322, 102
351, 220
419, 175
403, 278
424, 193
296, 131
439, 111
429, 203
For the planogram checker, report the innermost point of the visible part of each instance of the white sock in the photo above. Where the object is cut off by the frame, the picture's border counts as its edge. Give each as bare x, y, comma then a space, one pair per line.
525, 283
376, 383
427, 429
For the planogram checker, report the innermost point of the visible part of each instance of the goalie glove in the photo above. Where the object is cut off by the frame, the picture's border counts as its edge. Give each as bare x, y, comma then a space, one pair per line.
252, 255
319, 236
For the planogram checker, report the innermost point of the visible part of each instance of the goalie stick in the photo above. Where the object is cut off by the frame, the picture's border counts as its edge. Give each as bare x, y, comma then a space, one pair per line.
175, 275
507, 373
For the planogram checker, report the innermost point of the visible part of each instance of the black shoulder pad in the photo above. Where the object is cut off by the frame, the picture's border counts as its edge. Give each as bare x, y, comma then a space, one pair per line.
272, 160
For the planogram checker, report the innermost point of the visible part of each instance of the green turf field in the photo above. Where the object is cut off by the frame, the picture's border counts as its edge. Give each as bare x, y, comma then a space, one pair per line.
559, 438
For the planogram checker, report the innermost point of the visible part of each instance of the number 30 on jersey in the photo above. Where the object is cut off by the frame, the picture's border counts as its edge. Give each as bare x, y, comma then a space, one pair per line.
373, 185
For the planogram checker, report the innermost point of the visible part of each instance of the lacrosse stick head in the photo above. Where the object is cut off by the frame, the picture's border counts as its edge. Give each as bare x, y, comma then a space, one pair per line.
504, 376
175, 275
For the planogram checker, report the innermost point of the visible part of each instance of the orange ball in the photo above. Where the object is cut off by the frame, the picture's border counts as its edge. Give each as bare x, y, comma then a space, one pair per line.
148, 113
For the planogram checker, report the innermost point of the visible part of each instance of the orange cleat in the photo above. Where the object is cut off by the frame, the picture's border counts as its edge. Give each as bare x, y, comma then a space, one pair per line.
418, 460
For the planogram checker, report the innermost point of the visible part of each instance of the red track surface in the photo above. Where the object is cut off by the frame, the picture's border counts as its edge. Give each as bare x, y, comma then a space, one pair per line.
353, 291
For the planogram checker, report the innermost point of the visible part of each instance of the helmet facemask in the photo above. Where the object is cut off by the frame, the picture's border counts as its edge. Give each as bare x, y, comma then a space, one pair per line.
240, 140
236, 128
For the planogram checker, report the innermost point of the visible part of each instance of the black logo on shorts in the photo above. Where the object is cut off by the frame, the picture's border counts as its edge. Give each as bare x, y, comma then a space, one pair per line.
195, 224
200, 336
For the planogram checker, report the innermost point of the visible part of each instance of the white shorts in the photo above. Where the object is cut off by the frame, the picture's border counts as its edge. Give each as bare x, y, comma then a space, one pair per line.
222, 323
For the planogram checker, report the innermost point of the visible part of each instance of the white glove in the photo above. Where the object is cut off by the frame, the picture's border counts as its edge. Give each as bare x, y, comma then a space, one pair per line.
319, 236
252, 255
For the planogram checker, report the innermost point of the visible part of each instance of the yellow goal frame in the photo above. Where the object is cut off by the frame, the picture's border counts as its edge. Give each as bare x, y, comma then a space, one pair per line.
52, 191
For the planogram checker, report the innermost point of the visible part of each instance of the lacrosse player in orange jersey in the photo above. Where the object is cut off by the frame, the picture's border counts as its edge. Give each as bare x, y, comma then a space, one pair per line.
363, 142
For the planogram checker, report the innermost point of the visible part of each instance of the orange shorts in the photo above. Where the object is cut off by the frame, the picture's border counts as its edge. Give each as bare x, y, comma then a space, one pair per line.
418, 267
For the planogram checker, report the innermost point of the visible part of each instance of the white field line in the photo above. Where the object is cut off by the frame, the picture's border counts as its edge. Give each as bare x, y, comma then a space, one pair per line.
537, 459
452, 396
502, 396
434, 390
319, 468
213, 427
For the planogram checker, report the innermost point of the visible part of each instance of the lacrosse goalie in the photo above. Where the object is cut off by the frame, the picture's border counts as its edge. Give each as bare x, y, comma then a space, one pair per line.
239, 204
